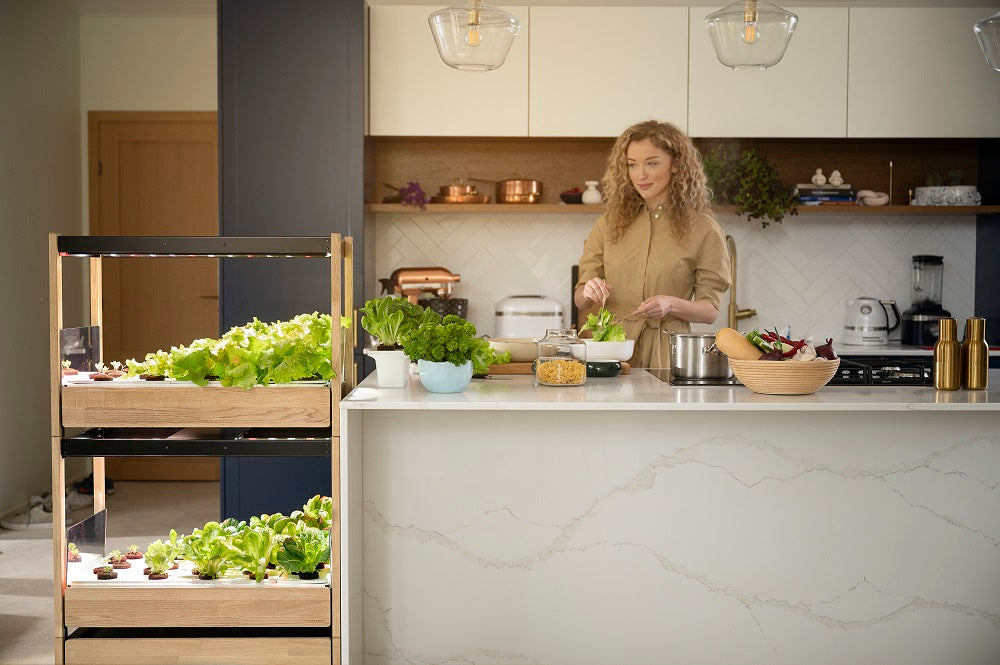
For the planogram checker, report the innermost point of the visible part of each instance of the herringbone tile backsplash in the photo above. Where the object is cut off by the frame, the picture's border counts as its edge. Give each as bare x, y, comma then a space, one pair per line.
798, 273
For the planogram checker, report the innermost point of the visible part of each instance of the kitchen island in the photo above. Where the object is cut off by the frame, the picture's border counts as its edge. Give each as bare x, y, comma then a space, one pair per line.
628, 521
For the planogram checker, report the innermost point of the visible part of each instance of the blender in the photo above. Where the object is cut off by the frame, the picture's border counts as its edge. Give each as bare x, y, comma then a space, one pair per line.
921, 320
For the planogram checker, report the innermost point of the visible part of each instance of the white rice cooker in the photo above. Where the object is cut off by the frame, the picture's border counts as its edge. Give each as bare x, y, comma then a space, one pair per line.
527, 316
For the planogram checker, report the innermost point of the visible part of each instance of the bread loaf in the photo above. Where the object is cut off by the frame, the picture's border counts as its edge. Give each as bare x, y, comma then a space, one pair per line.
735, 345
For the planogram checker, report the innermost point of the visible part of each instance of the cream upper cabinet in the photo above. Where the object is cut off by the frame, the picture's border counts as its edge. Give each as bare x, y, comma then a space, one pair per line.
919, 72
805, 94
412, 92
597, 70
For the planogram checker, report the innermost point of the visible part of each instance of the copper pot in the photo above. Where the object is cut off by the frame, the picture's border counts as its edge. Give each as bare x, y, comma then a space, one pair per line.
457, 190
519, 190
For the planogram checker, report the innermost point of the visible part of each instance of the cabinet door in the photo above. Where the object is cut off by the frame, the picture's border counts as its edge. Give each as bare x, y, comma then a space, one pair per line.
805, 94
597, 70
919, 72
414, 93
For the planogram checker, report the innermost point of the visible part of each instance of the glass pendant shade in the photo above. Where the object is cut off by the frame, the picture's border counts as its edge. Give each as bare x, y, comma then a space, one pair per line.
750, 35
988, 32
473, 36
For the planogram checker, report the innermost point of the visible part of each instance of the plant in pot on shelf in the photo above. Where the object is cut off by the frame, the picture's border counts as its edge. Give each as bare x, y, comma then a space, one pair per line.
448, 353
389, 320
750, 182
304, 551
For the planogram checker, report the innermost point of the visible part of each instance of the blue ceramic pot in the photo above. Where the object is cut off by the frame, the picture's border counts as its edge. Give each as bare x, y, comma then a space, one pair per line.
444, 377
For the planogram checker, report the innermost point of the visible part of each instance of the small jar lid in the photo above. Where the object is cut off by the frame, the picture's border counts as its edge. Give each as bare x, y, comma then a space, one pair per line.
930, 259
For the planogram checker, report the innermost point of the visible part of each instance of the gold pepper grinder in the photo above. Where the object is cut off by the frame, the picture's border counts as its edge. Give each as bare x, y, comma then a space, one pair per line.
947, 357
975, 355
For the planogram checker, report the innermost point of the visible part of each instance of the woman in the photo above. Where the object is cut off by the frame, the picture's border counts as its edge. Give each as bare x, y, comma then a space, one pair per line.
657, 258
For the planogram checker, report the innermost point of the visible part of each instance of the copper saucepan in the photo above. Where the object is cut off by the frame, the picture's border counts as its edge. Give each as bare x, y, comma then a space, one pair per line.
517, 190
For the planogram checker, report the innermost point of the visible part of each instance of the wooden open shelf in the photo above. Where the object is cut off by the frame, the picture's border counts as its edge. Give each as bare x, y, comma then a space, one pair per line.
596, 210
175, 404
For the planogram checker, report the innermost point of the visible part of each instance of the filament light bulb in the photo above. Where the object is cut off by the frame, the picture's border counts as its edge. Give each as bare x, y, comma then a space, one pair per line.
750, 32
473, 36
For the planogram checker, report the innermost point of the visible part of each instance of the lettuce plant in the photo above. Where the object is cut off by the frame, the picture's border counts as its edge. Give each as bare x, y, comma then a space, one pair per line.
303, 549
209, 550
254, 548
159, 557
316, 512
391, 320
255, 354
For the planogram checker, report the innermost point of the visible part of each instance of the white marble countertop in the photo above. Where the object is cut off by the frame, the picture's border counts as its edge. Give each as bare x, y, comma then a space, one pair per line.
641, 391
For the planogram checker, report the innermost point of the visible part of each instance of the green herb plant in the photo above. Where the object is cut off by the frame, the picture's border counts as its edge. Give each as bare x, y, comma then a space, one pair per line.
391, 319
255, 354
303, 549
750, 182
453, 340
604, 327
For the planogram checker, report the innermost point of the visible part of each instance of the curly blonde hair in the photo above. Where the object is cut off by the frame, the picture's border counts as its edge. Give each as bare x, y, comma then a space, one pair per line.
687, 195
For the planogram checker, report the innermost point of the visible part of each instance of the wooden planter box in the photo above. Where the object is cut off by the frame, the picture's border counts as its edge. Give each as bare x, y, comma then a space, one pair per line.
181, 404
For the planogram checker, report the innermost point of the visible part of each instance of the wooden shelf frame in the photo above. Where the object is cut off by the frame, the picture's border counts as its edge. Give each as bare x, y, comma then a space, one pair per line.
596, 210
146, 407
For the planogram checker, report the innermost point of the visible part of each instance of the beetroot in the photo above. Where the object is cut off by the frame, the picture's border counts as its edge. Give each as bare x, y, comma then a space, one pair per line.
826, 350
773, 355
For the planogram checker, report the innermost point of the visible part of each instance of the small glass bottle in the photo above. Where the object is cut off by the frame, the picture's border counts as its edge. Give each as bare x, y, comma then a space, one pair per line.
591, 195
947, 357
975, 355
562, 358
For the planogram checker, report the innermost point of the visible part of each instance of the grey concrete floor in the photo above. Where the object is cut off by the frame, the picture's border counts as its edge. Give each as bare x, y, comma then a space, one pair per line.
138, 513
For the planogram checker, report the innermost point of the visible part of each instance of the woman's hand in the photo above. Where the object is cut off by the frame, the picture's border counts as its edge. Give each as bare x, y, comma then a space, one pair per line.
657, 306
596, 290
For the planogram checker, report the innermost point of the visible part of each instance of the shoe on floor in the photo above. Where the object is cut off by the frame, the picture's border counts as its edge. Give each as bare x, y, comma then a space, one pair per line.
86, 486
35, 517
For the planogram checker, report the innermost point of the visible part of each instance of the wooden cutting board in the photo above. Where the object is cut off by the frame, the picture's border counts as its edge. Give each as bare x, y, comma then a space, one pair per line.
525, 368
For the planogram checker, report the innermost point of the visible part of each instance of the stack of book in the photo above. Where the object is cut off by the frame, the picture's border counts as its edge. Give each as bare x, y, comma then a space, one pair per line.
821, 195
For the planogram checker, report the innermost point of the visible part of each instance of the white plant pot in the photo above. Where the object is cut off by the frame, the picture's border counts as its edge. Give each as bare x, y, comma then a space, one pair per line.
392, 368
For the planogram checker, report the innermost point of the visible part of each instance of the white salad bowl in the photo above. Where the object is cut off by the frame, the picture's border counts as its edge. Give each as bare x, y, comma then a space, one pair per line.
609, 351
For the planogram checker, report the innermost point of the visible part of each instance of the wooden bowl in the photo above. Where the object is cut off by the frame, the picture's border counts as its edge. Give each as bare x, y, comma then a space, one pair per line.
784, 377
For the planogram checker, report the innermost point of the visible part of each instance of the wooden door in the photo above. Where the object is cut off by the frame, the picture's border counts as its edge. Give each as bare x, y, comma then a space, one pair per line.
156, 173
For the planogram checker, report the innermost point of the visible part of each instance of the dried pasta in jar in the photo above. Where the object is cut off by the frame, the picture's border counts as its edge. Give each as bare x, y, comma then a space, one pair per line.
560, 372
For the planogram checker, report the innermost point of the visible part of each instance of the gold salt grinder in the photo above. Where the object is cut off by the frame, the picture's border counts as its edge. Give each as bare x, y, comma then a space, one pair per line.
947, 357
975, 355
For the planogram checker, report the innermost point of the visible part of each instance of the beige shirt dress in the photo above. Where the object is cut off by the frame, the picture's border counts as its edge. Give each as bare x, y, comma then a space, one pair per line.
648, 260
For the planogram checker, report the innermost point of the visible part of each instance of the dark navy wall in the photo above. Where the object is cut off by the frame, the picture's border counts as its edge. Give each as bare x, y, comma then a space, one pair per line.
291, 143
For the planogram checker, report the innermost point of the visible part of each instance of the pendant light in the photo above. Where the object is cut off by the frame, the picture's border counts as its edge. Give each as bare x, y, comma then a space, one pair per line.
473, 36
750, 34
988, 32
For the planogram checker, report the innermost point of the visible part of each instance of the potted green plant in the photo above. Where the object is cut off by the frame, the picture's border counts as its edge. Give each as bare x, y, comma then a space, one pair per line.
159, 559
448, 353
750, 182
209, 550
389, 320
253, 549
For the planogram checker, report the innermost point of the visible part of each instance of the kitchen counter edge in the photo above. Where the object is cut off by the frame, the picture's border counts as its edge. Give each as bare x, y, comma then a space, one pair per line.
641, 391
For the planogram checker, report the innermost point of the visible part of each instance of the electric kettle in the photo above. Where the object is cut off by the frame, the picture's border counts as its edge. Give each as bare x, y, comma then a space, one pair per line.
866, 321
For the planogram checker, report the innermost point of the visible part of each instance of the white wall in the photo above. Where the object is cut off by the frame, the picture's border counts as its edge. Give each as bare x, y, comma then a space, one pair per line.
39, 193
145, 64
799, 272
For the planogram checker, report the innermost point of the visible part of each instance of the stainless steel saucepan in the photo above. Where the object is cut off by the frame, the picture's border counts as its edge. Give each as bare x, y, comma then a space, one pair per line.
695, 356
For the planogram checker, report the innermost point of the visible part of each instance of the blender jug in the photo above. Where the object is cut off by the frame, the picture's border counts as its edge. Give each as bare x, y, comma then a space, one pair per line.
921, 320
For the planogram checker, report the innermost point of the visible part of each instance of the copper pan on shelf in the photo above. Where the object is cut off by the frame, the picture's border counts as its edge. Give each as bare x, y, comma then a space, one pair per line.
463, 198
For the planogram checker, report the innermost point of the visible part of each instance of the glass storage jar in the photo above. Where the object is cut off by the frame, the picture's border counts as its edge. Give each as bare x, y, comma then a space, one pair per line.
562, 358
